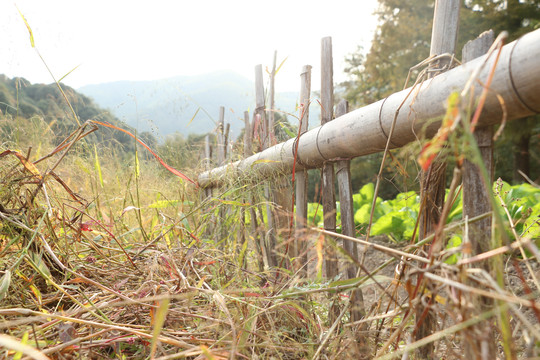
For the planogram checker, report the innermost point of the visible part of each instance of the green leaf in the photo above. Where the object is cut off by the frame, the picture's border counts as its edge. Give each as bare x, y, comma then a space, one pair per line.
454, 241
280, 65
362, 215
367, 192
24, 341
137, 167
160, 204
159, 319
366, 282
98, 166
193, 117
391, 223
285, 128
29, 29
69, 72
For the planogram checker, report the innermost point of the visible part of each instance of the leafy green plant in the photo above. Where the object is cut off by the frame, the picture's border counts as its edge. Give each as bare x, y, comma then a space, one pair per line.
397, 217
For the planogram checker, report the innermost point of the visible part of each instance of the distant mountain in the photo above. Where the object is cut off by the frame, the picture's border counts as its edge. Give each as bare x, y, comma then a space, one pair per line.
185, 104
19, 97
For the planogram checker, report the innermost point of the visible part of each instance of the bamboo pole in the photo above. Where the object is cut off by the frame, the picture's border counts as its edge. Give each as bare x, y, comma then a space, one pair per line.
220, 137
270, 242
271, 96
221, 144
433, 180
259, 106
226, 153
518, 87
207, 161
301, 178
282, 193
248, 136
248, 151
475, 193
343, 175
476, 202
328, 180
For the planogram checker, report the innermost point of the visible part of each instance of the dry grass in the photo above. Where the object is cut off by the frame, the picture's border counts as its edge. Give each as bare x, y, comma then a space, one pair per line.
130, 266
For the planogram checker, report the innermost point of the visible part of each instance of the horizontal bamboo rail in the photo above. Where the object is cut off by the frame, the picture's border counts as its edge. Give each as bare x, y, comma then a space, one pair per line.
364, 131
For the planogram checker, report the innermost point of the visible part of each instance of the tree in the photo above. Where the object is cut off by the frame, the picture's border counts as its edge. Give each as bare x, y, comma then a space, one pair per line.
402, 40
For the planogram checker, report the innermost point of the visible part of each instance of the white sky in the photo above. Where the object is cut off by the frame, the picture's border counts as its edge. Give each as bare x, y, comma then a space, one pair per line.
143, 40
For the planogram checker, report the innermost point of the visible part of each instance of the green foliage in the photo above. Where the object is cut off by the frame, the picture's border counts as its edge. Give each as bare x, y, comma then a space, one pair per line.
396, 218
402, 40
523, 204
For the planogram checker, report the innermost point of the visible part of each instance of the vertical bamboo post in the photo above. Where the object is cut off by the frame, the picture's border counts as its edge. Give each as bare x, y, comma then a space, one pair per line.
220, 137
301, 178
226, 153
433, 181
207, 160
270, 246
271, 98
208, 191
343, 175
328, 180
259, 106
328, 193
475, 193
248, 136
476, 202
282, 192
220, 160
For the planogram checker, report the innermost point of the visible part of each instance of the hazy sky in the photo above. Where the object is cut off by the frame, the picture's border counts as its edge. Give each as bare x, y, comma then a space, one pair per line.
143, 40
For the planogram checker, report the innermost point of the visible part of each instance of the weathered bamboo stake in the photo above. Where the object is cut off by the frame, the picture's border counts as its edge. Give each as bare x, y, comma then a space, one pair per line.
226, 154
271, 98
220, 137
518, 87
476, 202
207, 161
248, 136
259, 112
248, 151
270, 246
433, 181
301, 179
475, 193
282, 192
328, 183
328, 179
343, 175
209, 190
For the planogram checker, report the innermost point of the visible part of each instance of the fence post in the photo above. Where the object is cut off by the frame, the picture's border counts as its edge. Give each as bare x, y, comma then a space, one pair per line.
220, 137
343, 175
301, 178
271, 98
207, 161
259, 106
476, 202
282, 191
433, 181
328, 181
270, 245
226, 154
220, 144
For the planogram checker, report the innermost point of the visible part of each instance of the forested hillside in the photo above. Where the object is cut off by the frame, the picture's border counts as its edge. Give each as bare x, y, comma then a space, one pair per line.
21, 99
